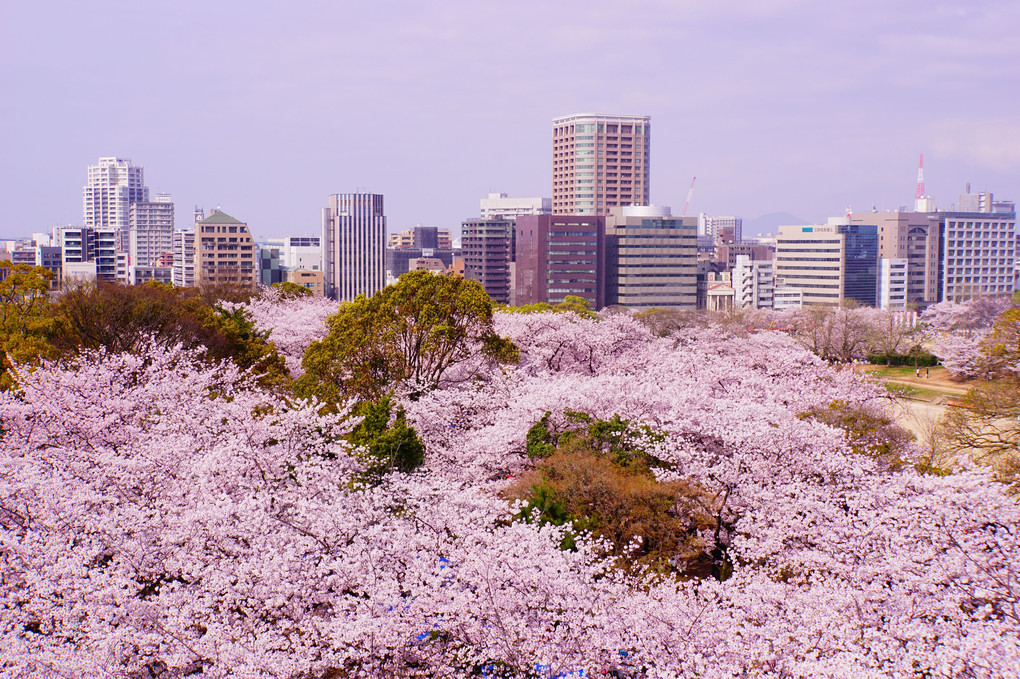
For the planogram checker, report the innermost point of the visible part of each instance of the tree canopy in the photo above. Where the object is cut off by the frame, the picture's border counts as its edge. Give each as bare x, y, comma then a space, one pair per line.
414, 333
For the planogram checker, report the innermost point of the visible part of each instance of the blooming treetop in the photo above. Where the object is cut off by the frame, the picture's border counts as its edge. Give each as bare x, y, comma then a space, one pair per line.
190, 520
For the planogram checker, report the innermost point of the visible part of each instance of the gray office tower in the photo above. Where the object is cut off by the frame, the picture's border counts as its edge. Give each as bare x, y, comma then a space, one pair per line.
353, 245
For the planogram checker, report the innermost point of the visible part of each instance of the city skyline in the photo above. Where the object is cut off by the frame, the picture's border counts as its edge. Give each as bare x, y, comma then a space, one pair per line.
782, 106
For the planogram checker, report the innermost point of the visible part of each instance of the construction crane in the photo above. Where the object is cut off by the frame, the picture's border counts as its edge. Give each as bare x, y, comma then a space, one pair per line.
687, 203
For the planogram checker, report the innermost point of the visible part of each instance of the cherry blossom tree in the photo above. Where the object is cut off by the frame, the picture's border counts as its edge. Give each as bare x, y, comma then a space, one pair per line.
158, 513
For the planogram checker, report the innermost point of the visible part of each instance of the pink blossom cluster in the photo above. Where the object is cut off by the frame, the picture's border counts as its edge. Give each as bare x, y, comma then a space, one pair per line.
293, 323
155, 510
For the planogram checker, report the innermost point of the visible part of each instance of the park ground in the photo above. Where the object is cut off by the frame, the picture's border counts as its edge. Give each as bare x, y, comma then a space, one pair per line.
921, 399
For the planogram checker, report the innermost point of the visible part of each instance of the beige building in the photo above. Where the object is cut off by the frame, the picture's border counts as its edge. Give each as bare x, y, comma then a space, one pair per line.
225, 251
829, 263
406, 239
913, 236
307, 278
599, 162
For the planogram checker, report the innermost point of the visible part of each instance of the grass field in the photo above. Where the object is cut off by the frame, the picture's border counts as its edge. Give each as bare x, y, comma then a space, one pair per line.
904, 381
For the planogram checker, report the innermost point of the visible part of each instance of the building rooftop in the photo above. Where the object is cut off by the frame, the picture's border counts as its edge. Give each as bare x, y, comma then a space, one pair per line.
219, 217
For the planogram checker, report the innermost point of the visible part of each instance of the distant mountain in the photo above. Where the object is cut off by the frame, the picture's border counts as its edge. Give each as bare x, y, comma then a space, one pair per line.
767, 224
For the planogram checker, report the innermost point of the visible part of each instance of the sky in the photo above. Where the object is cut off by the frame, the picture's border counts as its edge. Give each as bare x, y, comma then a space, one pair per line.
264, 108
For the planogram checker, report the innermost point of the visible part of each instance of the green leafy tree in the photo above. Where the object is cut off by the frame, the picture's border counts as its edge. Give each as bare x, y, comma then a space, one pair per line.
26, 321
123, 318
389, 446
291, 290
411, 333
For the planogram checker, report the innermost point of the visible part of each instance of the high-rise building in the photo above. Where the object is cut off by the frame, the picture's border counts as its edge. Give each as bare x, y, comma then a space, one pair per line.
560, 255
354, 245
183, 274
599, 162
486, 245
224, 252
829, 263
651, 258
150, 238
113, 185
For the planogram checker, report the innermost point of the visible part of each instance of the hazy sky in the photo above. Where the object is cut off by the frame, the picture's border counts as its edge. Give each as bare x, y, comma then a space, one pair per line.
264, 108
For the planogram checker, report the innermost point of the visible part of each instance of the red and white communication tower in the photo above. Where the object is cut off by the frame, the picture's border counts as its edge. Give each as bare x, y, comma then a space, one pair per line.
922, 203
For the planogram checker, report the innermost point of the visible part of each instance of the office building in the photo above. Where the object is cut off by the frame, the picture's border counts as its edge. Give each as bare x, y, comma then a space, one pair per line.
913, 236
502, 206
354, 245
978, 248
224, 252
560, 256
829, 263
599, 162
486, 245
428, 242
651, 258
418, 236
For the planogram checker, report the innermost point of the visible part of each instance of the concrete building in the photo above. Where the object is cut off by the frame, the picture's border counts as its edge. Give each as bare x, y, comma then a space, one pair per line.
306, 278
715, 291
354, 245
183, 272
714, 227
113, 185
978, 248
560, 255
418, 236
651, 258
502, 206
419, 242
224, 252
913, 236
89, 254
150, 239
829, 263
599, 162
893, 275
753, 283
487, 248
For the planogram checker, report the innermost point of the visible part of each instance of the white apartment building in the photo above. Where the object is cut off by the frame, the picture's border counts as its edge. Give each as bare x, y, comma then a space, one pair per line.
183, 273
711, 226
892, 283
753, 283
113, 185
150, 239
502, 206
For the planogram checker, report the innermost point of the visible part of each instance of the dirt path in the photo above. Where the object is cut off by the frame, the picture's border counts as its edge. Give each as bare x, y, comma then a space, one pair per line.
937, 379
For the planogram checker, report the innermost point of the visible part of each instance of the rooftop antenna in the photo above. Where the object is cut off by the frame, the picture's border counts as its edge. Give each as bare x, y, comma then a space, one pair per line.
920, 179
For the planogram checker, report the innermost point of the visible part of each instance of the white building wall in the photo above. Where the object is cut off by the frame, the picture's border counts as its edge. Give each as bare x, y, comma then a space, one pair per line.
892, 284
